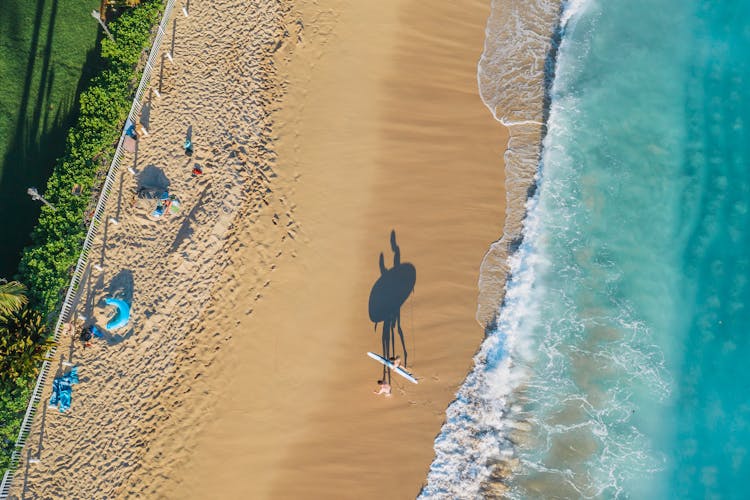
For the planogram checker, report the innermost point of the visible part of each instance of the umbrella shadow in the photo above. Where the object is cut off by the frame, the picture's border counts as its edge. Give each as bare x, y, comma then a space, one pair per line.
387, 295
153, 177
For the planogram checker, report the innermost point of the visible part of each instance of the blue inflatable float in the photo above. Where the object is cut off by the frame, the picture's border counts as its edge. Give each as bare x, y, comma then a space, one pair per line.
121, 317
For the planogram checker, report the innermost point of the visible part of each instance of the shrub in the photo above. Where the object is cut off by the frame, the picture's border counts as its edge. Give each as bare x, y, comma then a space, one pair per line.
23, 343
57, 239
13, 399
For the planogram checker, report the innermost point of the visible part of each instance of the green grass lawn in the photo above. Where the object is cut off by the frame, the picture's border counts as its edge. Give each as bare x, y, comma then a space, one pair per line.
47, 53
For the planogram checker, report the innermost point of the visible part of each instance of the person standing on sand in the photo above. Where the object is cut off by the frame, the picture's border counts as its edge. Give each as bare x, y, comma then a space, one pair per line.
396, 362
385, 388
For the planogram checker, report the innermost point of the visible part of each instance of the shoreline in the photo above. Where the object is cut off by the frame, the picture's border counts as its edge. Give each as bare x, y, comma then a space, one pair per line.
259, 386
516, 84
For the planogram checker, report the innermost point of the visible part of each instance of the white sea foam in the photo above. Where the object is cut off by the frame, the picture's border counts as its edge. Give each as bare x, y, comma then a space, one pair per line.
572, 10
480, 421
558, 380
477, 430
626, 282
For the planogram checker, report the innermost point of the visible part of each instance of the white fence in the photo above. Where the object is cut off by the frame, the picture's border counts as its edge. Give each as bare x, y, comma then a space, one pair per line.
82, 264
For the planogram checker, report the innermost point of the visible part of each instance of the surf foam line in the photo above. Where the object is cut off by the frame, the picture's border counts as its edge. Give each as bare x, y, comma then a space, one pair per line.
475, 435
474, 445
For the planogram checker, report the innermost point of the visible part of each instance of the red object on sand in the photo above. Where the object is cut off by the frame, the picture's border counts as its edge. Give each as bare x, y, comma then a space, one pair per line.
197, 171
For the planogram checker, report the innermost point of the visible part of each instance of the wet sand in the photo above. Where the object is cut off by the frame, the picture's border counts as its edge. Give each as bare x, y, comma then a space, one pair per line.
381, 130
322, 128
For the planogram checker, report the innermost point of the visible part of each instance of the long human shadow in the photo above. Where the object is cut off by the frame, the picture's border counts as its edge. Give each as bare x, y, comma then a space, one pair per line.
388, 294
186, 228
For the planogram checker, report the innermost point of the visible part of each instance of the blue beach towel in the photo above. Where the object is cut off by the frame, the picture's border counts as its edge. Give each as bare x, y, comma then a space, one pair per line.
62, 389
158, 212
130, 129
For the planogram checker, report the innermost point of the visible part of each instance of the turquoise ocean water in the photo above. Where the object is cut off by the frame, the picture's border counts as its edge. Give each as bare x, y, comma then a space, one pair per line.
619, 366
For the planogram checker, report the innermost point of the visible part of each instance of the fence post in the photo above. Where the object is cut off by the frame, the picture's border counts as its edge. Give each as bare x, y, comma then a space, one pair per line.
82, 260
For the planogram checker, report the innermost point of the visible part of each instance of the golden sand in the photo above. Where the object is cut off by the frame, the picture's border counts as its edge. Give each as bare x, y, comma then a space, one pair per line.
322, 126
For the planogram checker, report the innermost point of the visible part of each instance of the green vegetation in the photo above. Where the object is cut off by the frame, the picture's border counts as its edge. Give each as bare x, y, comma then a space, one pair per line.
23, 342
12, 297
48, 52
46, 266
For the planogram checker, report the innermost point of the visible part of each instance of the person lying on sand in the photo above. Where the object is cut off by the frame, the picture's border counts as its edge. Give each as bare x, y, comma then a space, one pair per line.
385, 388
88, 334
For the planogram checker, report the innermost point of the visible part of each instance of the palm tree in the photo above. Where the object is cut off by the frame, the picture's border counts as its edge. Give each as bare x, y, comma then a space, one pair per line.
23, 343
12, 297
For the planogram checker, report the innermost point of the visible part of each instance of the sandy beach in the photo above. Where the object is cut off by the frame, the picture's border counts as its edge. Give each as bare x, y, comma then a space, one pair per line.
329, 134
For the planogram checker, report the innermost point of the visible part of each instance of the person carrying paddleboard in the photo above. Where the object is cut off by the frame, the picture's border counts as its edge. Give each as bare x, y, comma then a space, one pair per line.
396, 362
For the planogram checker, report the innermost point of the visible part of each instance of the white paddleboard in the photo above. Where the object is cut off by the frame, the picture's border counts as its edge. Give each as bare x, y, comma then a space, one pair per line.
408, 376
